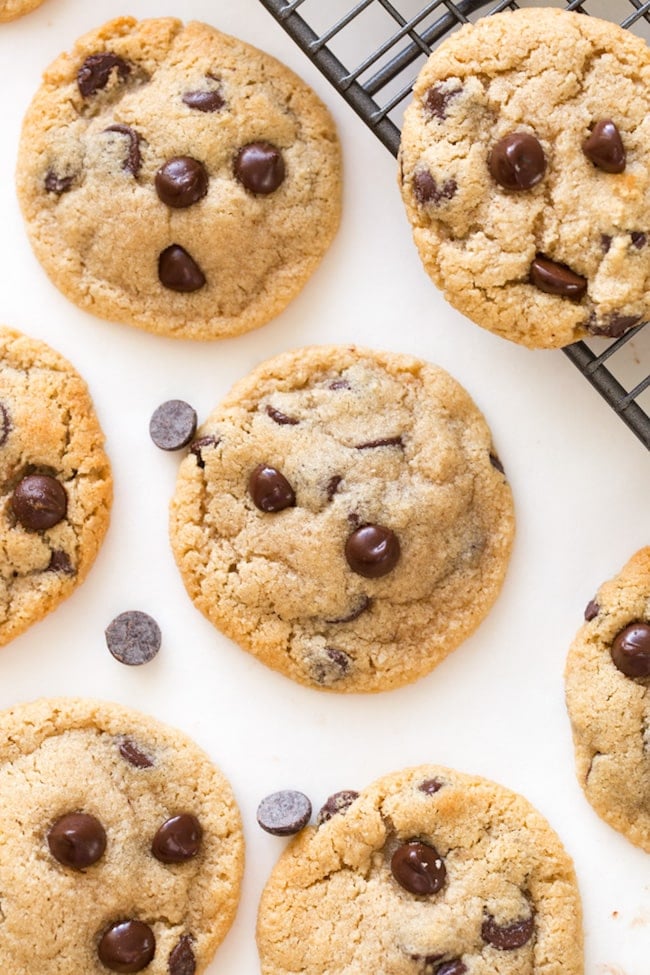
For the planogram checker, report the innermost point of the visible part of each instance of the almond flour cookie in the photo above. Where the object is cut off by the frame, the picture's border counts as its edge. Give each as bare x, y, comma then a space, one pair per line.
342, 515
10, 9
608, 697
55, 481
177, 179
122, 848
427, 872
524, 170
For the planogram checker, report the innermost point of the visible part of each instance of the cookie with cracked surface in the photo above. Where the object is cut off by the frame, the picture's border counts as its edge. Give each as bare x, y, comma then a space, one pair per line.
524, 171
608, 699
11, 9
178, 179
132, 837
55, 481
427, 872
342, 515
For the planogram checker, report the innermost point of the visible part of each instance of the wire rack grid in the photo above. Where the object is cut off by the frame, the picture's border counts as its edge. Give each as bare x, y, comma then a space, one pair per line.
371, 51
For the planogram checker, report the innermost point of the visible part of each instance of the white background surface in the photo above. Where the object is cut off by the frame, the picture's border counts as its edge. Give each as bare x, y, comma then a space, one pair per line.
495, 707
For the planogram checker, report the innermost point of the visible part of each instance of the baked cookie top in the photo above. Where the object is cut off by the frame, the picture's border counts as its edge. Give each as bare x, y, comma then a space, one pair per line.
608, 698
177, 179
343, 516
427, 872
524, 171
55, 481
10, 9
121, 843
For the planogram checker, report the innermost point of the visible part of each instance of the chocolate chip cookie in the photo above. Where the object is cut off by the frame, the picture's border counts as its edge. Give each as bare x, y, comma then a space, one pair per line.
10, 9
608, 697
524, 171
427, 872
121, 844
177, 179
55, 481
344, 517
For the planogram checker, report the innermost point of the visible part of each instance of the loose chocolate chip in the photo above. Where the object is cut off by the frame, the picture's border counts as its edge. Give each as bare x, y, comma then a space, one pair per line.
639, 239
95, 72
181, 181
178, 271
39, 502
5, 424
284, 813
60, 562
259, 167
507, 937
592, 609
517, 162
57, 184
172, 424
181, 958
134, 755
127, 946
613, 326
270, 489
386, 442
204, 101
418, 868
437, 99
281, 418
604, 147
133, 160
427, 190
430, 786
77, 840
496, 463
178, 839
630, 650
133, 638
363, 605
333, 486
454, 967
338, 803
372, 551
329, 666
557, 279
605, 242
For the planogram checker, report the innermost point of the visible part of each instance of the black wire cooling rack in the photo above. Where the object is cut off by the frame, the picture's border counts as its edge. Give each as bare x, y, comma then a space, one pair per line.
387, 41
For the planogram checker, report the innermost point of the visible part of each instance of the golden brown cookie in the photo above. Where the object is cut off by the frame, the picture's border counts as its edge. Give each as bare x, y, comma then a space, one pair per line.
10, 9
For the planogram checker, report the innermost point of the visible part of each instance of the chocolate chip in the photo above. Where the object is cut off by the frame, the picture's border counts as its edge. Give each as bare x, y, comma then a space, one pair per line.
329, 666
172, 424
340, 384
507, 937
270, 489
418, 868
57, 184
60, 562
496, 463
517, 162
436, 100
337, 804
613, 325
77, 840
604, 147
133, 638
178, 271
127, 946
333, 486
181, 181
592, 609
133, 160
39, 502
284, 813
605, 242
204, 101
178, 839
453, 967
630, 650
134, 755
639, 239
386, 442
362, 606
181, 958
430, 786
200, 445
557, 279
259, 167
5, 424
95, 72
280, 417
427, 190
372, 551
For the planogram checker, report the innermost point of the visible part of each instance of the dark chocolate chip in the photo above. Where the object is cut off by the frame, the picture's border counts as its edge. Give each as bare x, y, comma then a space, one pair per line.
372, 551
329, 666
386, 442
436, 100
592, 609
430, 786
363, 605
630, 650
337, 804
605, 242
333, 486
60, 562
557, 279
639, 239
5, 424
280, 417
133, 160
181, 181
427, 190
178, 839
127, 946
284, 813
204, 101
77, 840
270, 489
613, 326
507, 937
604, 147
496, 463
178, 271
39, 502
181, 958
134, 755
339, 384
259, 167
200, 445
418, 868
133, 638
172, 424
95, 72
57, 184
453, 967
517, 162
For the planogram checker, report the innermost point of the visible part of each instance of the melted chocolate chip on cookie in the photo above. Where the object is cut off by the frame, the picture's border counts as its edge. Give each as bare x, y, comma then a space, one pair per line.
95, 72
630, 650
507, 937
178, 271
418, 868
127, 946
259, 167
428, 190
133, 160
57, 184
178, 839
557, 279
372, 551
604, 147
181, 182
337, 804
517, 162
270, 490
181, 958
77, 840
39, 502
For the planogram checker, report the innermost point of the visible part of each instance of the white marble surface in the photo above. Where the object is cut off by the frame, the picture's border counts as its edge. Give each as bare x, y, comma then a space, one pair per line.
495, 707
